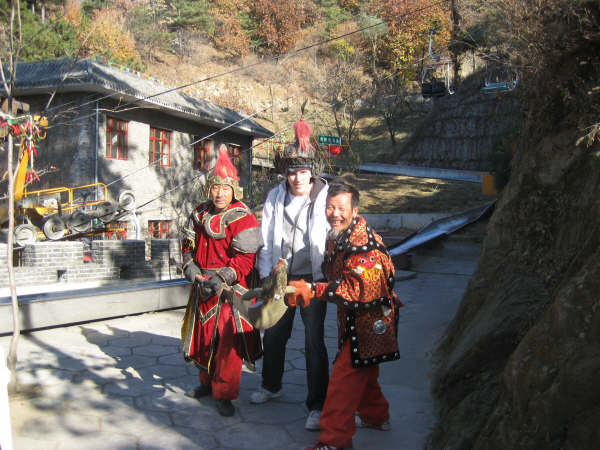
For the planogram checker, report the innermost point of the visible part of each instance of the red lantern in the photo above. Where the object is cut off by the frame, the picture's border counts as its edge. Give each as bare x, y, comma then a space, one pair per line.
335, 149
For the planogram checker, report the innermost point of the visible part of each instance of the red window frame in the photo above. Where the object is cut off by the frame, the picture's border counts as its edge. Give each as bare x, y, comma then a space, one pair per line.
235, 154
116, 138
159, 229
116, 231
202, 154
160, 146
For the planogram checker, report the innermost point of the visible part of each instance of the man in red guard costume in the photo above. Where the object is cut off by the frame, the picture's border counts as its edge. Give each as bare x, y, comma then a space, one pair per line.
219, 251
360, 276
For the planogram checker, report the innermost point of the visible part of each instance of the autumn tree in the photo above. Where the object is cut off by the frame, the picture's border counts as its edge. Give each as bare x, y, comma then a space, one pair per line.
391, 101
230, 35
344, 89
346, 47
409, 23
106, 35
275, 26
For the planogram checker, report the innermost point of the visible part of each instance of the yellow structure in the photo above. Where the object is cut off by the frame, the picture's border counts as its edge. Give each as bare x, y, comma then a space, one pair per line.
488, 185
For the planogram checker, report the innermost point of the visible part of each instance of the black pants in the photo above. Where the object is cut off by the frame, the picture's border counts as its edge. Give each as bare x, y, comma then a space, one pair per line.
317, 362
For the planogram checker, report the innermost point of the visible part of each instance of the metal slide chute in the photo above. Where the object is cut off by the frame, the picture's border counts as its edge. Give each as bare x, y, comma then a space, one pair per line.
439, 228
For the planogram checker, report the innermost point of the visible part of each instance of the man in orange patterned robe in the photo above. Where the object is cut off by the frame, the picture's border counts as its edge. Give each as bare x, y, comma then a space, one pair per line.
360, 276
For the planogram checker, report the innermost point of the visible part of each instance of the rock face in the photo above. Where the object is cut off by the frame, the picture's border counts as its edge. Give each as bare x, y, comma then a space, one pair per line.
519, 366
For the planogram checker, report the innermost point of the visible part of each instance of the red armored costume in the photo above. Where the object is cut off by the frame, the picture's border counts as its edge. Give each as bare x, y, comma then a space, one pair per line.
361, 280
219, 245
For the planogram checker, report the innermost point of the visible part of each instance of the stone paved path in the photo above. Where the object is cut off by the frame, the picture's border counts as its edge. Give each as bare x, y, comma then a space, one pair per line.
119, 384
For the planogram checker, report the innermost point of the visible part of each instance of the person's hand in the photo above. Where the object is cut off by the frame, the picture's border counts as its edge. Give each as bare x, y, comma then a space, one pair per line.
191, 271
302, 296
209, 287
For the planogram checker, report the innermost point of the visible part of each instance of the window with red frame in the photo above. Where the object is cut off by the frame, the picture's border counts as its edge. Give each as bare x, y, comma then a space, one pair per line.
116, 138
116, 231
202, 154
160, 146
159, 229
234, 154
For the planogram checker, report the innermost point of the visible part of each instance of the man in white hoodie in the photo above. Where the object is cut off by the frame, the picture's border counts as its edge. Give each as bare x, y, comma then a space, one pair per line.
294, 227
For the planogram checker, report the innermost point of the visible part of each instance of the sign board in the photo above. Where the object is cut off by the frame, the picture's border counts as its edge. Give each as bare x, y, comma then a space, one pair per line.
335, 140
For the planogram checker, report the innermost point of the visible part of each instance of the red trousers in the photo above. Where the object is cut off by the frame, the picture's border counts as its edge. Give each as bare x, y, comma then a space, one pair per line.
351, 390
226, 369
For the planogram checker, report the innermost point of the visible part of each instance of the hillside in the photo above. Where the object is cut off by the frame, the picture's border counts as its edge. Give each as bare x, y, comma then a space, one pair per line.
518, 366
351, 63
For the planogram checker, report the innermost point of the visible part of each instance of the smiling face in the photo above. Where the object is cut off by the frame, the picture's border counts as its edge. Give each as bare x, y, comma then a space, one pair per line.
300, 182
221, 196
340, 212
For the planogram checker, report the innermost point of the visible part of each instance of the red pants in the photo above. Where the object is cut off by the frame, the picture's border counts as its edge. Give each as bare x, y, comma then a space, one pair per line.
226, 369
351, 390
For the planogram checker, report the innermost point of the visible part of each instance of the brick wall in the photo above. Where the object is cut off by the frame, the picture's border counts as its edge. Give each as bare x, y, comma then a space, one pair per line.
56, 254
163, 251
55, 262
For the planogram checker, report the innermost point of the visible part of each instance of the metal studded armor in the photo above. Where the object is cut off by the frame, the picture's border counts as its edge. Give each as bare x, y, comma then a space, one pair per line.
361, 281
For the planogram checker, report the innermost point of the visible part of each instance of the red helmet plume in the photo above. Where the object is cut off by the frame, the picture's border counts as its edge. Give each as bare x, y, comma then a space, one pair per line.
224, 167
302, 133
224, 172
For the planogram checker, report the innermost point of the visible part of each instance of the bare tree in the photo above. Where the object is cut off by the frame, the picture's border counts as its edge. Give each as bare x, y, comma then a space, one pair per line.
392, 101
13, 57
344, 91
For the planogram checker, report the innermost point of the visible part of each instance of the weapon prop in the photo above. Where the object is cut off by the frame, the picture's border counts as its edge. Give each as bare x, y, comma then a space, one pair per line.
177, 264
270, 305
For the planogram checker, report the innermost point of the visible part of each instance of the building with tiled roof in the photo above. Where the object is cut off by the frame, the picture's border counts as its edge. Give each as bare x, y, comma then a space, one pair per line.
118, 127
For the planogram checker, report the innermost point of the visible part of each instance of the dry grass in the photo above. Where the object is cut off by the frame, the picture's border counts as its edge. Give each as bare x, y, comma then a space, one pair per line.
387, 194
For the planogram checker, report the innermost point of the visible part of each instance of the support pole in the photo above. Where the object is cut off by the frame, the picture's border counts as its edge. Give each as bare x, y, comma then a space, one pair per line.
5, 427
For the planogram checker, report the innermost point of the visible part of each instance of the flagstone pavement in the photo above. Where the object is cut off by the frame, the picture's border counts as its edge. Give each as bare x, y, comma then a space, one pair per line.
120, 383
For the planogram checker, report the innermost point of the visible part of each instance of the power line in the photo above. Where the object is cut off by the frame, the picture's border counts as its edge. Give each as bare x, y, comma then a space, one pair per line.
280, 132
289, 54
265, 60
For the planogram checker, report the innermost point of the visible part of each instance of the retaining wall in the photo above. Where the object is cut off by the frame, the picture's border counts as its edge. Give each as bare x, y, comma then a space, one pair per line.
53, 262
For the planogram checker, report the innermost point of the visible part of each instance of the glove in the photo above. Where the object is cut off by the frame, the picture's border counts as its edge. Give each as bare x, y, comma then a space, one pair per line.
210, 287
302, 296
191, 271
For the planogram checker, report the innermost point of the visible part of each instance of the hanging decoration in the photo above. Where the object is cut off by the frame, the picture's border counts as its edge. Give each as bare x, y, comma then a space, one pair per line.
31, 130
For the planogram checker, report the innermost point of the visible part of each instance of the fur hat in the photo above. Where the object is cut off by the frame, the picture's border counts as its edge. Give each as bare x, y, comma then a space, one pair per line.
224, 172
298, 156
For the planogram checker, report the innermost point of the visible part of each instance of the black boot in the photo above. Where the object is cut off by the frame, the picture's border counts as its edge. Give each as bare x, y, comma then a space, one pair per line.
199, 391
225, 408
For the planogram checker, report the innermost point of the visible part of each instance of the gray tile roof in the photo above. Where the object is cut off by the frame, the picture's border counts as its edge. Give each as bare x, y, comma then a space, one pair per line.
87, 75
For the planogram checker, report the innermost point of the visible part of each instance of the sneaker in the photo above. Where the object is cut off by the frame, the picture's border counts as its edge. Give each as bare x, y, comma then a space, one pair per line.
320, 446
225, 408
313, 421
263, 395
199, 391
385, 426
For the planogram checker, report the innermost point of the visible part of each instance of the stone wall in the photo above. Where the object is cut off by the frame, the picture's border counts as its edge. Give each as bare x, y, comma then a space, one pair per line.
52, 262
462, 130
